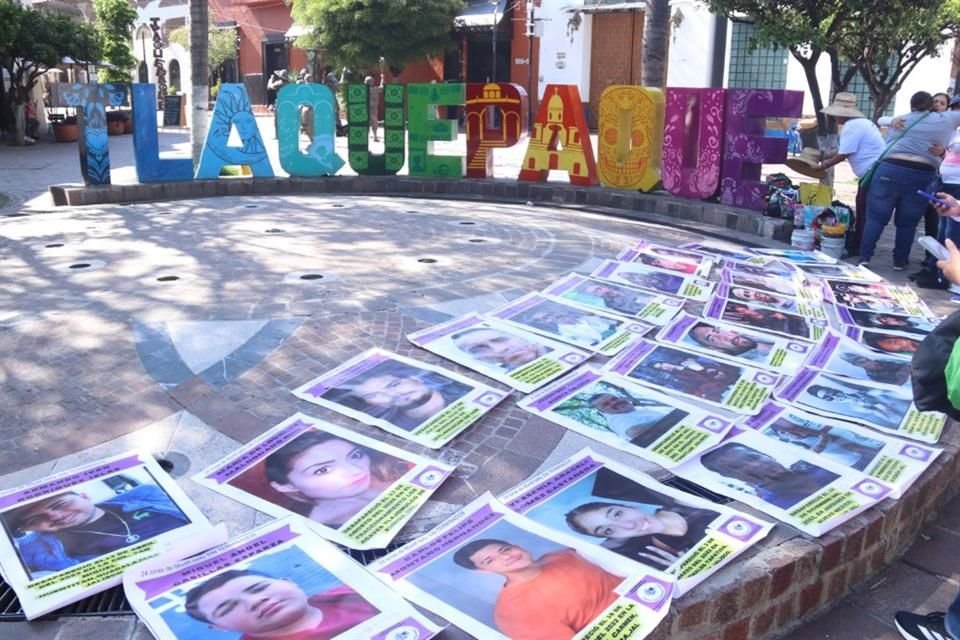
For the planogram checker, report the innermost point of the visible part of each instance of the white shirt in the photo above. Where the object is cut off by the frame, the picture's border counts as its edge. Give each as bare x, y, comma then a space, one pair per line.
861, 142
950, 167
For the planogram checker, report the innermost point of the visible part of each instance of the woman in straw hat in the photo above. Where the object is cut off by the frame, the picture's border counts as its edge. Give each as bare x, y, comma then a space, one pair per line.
860, 145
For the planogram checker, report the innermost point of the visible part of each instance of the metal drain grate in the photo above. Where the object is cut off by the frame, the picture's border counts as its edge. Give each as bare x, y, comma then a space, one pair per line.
113, 602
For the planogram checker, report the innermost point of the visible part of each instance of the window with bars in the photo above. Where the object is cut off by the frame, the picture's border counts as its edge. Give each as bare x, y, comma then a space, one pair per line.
761, 68
858, 87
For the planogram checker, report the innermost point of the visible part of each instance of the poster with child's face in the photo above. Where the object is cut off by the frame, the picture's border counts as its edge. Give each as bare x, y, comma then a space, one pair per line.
279, 581
497, 574
634, 517
351, 489
411, 399
64, 537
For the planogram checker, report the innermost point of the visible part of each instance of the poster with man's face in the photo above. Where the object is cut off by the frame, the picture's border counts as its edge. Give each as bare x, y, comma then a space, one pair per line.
70, 536
278, 581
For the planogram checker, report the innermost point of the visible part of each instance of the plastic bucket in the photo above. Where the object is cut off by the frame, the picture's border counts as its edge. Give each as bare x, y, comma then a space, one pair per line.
802, 239
833, 247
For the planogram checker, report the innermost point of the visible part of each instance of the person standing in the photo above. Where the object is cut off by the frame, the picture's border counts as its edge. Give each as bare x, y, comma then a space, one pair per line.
375, 92
860, 144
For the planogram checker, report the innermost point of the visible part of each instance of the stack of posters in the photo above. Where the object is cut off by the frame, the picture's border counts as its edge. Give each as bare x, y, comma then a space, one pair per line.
800, 488
616, 298
655, 256
628, 416
508, 354
881, 406
411, 399
278, 581
497, 574
351, 489
72, 535
596, 331
739, 344
632, 516
894, 462
845, 357
734, 387
671, 284
766, 319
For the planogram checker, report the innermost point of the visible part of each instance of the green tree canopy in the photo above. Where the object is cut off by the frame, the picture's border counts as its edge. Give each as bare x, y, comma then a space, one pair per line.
358, 32
221, 44
114, 26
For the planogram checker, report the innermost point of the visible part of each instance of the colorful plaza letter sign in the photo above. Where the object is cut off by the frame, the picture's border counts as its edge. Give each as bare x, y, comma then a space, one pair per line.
424, 127
146, 145
358, 126
309, 106
482, 136
630, 137
693, 142
745, 149
91, 102
232, 110
560, 139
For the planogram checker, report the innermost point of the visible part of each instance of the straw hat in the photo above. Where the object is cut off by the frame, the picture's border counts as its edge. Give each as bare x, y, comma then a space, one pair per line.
844, 104
806, 163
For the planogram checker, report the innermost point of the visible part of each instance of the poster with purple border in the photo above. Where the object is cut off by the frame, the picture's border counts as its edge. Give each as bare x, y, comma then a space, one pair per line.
796, 256
721, 252
671, 284
414, 400
838, 354
635, 518
655, 256
778, 286
590, 329
737, 343
703, 378
628, 416
498, 575
875, 298
901, 345
508, 354
280, 580
900, 323
353, 490
610, 297
839, 270
881, 406
746, 314
770, 270
73, 534
774, 301
892, 461
797, 487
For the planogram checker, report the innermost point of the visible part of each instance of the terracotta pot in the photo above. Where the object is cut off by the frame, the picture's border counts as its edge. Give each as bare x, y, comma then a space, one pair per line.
115, 127
65, 132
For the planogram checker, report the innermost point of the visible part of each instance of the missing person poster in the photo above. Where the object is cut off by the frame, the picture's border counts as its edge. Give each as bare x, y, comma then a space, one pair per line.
845, 357
839, 270
774, 286
634, 517
885, 342
723, 252
279, 581
497, 574
411, 399
771, 301
799, 488
748, 314
731, 386
656, 256
616, 298
628, 416
880, 406
875, 298
795, 256
892, 461
737, 343
508, 354
770, 270
351, 489
72, 535
671, 284
596, 331
899, 323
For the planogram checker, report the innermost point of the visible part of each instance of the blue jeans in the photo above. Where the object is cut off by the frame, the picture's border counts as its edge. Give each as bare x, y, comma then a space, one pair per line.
952, 619
894, 189
949, 228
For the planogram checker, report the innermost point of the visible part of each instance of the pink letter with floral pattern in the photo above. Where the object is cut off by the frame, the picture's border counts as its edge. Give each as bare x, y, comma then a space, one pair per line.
692, 142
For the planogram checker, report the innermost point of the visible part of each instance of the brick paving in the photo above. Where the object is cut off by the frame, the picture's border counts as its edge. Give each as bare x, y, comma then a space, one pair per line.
74, 375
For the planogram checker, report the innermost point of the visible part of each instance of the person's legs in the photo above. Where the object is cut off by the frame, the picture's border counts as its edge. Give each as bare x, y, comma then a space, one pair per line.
881, 200
910, 208
932, 626
953, 618
855, 233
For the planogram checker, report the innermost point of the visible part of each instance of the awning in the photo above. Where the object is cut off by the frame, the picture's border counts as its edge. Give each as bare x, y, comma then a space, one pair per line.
480, 13
296, 30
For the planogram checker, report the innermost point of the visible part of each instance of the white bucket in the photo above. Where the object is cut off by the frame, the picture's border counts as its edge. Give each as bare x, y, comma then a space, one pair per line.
833, 247
802, 239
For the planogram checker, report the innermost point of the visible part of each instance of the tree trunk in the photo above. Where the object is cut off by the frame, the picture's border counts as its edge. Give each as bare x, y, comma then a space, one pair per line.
199, 76
656, 31
20, 125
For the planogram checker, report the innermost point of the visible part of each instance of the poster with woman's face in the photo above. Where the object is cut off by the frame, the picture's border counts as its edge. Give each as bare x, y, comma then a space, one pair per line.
634, 517
498, 575
772, 301
351, 489
628, 416
839, 270
777, 286
278, 581
799, 488
839, 354
668, 259
893, 461
887, 321
643, 277
411, 399
69, 536
880, 406
511, 355
765, 319
737, 343
616, 298
877, 299
770, 270
722, 383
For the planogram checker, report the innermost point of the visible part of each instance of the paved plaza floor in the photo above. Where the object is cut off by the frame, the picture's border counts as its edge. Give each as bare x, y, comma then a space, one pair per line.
181, 328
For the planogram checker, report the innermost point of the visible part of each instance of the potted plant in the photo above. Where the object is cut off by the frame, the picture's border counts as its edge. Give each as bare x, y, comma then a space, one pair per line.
66, 130
116, 122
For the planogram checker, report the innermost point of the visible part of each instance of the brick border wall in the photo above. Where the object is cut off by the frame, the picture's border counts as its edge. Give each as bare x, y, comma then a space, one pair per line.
791, 578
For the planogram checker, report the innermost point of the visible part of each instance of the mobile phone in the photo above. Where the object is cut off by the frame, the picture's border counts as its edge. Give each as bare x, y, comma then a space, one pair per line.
930, 244
934, 199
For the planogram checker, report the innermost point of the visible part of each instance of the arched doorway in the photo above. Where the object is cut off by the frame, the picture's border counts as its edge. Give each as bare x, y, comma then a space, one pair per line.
173, 75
